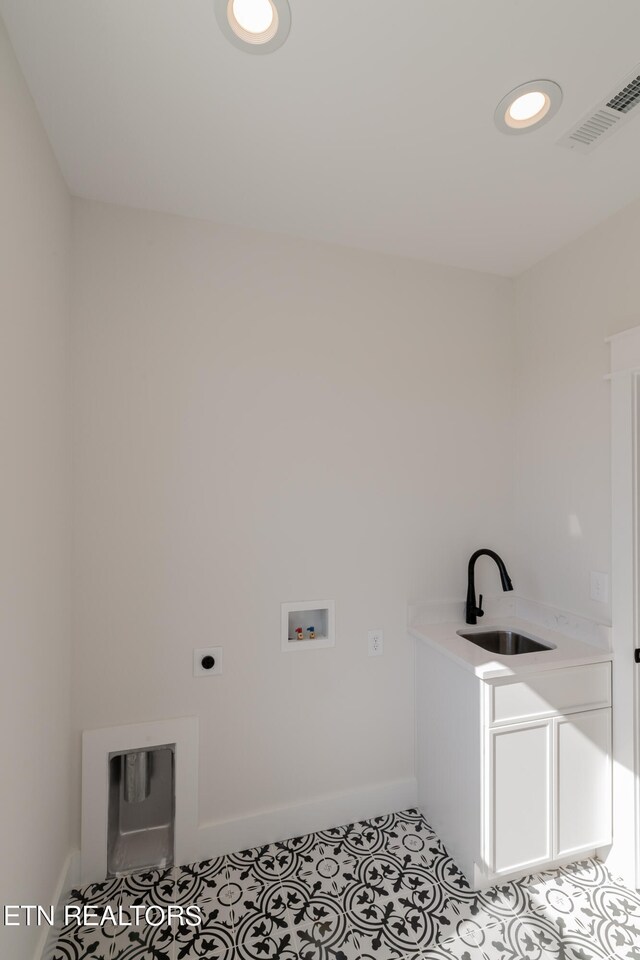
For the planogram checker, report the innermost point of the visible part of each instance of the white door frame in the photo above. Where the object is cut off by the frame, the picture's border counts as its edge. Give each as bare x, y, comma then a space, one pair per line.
624, 857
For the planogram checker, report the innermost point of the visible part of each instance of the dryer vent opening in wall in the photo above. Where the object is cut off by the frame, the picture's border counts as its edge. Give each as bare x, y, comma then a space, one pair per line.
141, 813
606, 117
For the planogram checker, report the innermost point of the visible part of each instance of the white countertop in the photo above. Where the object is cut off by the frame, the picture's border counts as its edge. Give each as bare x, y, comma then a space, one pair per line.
567, 652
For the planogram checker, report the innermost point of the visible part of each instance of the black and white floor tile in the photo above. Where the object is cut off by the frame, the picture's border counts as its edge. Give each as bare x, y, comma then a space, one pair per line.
384, 889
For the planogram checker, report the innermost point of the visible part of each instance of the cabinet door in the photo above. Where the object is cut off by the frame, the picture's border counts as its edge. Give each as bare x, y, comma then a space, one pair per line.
519, 805
583, 787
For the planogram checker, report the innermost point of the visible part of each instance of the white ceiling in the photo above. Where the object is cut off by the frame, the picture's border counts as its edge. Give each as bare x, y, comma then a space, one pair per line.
372, 126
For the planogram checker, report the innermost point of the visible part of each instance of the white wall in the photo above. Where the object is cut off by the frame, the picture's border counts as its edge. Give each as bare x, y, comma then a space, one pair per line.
565, 307
35, 217
261, 419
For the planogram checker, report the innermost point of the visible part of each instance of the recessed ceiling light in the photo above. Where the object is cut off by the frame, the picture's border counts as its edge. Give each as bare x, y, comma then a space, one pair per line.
255, 26
529, 105
253, 16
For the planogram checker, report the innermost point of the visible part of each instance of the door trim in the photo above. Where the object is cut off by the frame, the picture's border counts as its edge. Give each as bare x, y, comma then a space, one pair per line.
624, 854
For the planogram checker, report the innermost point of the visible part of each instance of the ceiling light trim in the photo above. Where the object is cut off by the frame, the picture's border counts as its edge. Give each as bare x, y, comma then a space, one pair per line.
268, 41
552, 101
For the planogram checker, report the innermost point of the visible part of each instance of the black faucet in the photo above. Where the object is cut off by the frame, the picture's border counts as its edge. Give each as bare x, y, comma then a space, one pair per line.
473, 611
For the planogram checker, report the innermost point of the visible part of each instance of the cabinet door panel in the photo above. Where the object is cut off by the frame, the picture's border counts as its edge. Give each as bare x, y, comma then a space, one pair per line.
583, 770
521, 802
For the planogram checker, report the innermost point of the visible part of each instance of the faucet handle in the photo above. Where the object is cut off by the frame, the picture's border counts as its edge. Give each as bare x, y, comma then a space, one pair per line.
480, 611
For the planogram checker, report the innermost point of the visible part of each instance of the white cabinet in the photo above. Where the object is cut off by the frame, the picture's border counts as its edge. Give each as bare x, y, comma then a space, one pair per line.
519, 788
514, 773
548, 790
583, 794
547, 694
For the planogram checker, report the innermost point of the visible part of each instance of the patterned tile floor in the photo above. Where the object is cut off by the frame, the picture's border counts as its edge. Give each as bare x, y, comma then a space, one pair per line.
383, 889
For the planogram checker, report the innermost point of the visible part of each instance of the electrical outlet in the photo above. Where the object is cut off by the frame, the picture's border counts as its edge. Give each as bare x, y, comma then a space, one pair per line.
376, 643
207, 662
600, 587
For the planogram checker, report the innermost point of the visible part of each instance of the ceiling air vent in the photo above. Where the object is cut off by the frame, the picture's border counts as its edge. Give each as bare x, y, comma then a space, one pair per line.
606, 117
627, 98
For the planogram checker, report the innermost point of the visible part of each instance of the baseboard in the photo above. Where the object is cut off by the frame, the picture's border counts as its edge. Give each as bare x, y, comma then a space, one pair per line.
281, 823
68, 878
